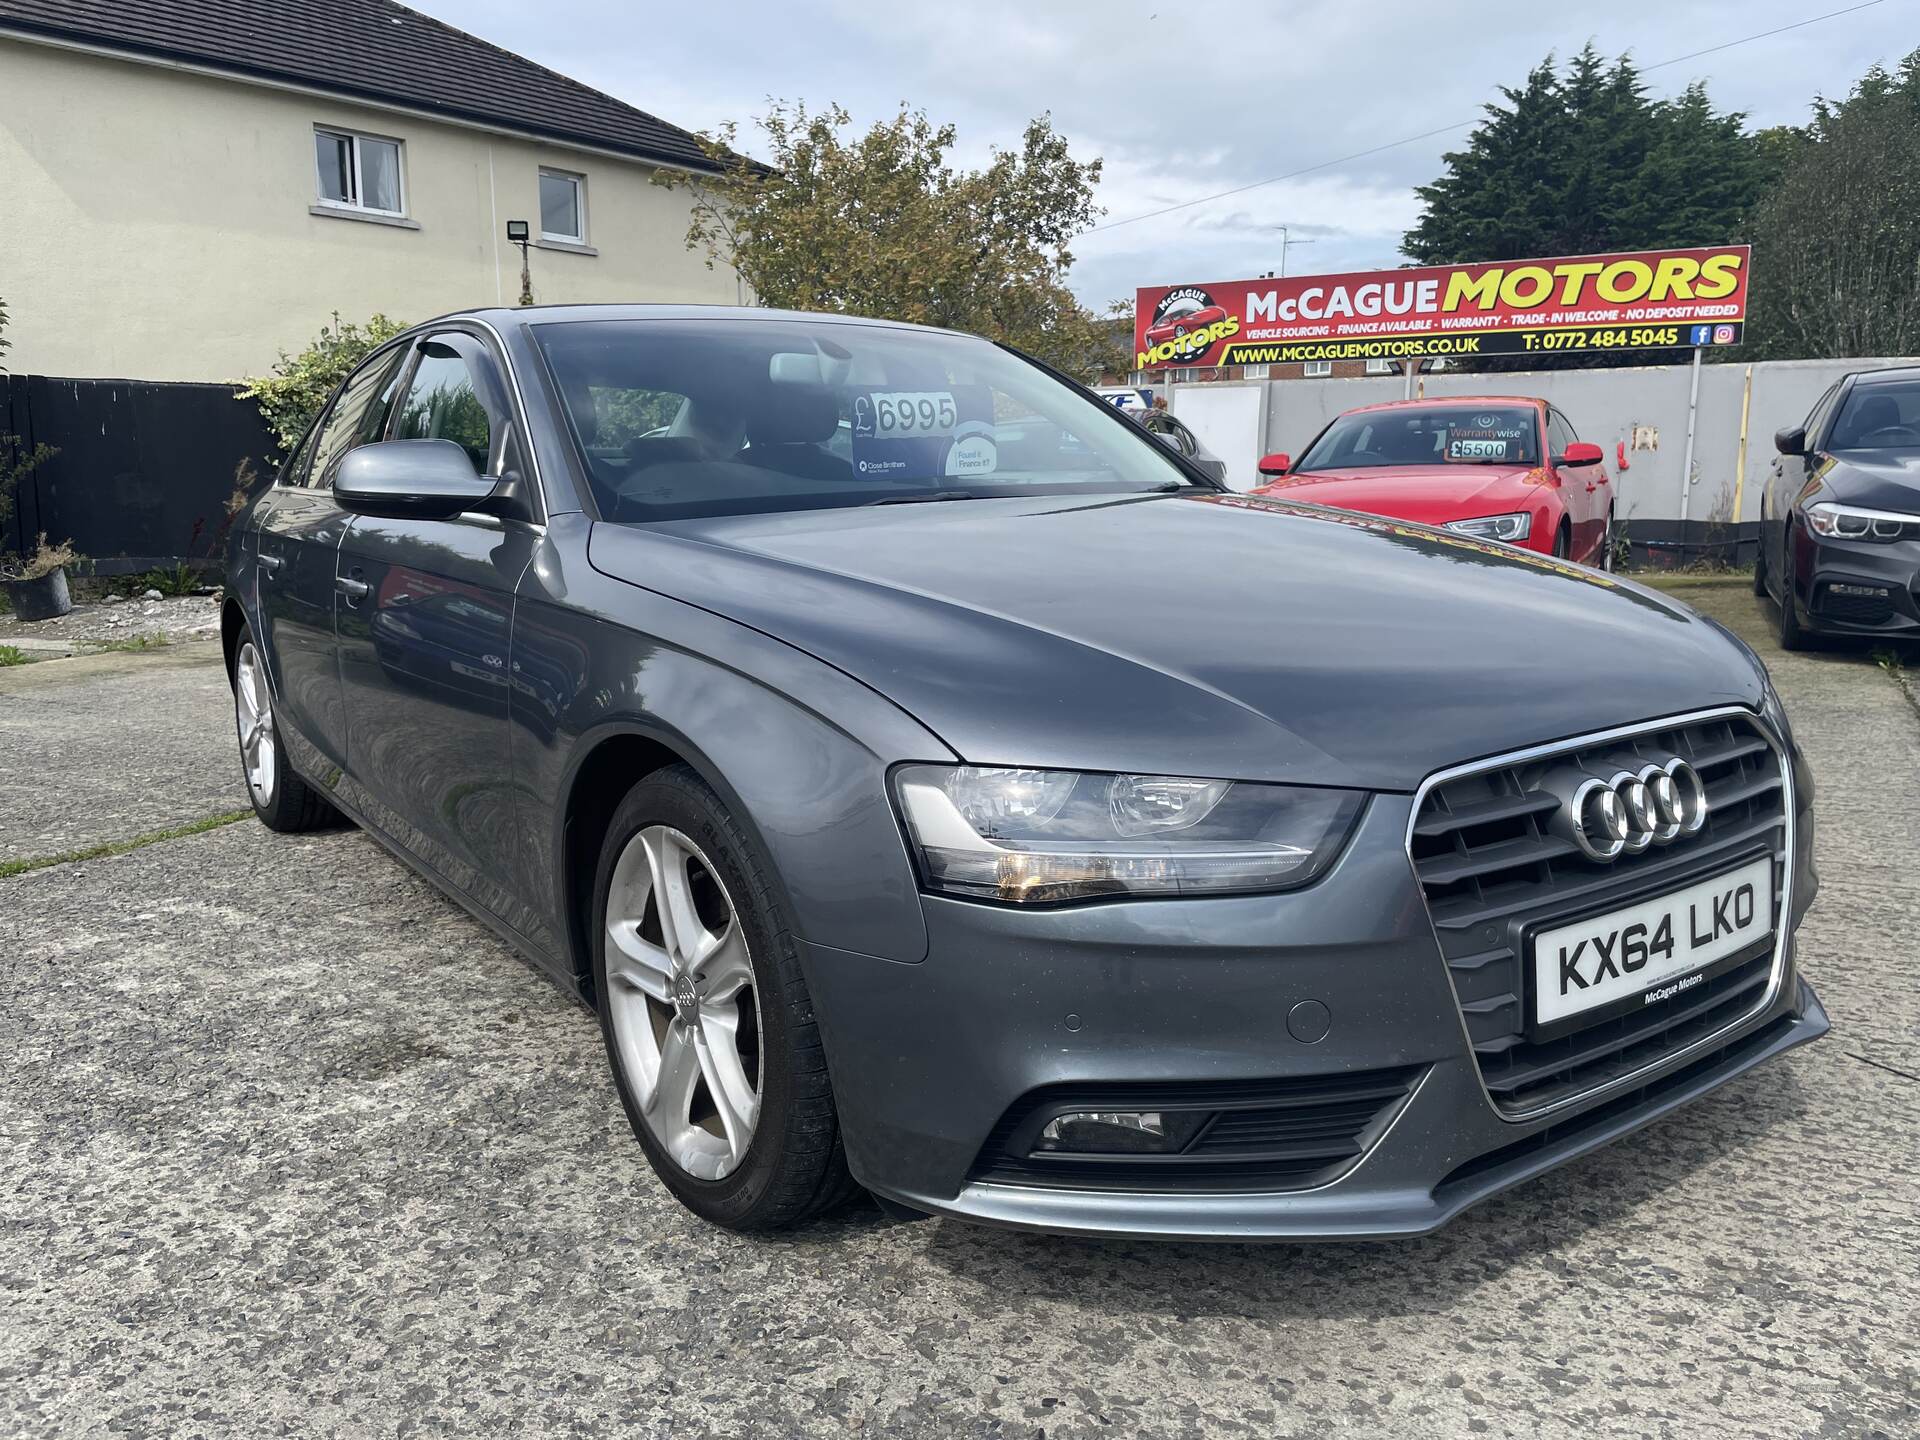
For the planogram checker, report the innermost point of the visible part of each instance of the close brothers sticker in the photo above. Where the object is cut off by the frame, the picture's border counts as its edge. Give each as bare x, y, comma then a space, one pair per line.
924, 434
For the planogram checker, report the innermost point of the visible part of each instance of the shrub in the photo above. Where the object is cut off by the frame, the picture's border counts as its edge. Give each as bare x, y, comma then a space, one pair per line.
299, 385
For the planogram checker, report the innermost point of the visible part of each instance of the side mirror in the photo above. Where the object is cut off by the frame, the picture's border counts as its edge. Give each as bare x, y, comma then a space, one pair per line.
427, 479
1167, 438
1580, 453
1791, 442
1275, 464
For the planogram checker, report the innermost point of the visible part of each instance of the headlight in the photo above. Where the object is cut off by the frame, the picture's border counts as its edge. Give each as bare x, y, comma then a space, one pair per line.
1036, 836
1494, 527
1849, 522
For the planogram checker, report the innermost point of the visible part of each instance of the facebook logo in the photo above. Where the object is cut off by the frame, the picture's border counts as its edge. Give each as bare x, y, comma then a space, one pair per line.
1702, 335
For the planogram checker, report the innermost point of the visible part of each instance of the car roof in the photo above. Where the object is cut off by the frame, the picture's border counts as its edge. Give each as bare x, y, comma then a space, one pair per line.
1892, 372
1433, 400
503, 317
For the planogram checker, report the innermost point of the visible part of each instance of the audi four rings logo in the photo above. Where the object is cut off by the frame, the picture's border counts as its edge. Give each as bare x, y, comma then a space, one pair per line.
1624, 812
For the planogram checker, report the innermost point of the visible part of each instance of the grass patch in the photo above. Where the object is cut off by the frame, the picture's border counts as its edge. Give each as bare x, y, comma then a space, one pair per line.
179, 579
10, 868
1691, 579
14, 655
152, 640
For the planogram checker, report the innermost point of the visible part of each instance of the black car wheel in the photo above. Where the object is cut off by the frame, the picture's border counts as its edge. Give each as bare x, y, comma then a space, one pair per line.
281, 799
1793, 635
1562, 543
1760, 558
708, 1023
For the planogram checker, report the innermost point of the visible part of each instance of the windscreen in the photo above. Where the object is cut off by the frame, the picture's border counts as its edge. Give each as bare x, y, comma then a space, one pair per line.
1884, 415
1429, 435
684, 418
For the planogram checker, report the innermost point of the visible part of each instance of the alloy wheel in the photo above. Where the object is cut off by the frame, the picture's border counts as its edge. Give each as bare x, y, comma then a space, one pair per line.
682, 1002
253, 716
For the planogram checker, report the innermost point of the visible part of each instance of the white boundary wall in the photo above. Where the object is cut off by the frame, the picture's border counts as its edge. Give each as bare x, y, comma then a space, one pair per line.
1641, 411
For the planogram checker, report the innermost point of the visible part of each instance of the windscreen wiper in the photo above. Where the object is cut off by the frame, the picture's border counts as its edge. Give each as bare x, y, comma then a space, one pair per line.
926, 497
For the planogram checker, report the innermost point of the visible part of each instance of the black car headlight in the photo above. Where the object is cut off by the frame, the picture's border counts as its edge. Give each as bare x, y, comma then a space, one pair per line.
1040, 836
1850, 522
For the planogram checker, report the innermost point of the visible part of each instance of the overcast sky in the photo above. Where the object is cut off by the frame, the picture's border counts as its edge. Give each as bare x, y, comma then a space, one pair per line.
1185, 98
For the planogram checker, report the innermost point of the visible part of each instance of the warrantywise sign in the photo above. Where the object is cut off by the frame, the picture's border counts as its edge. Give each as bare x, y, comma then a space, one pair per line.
1649, 299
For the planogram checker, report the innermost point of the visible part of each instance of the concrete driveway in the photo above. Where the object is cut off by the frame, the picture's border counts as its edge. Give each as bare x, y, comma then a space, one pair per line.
288, 1145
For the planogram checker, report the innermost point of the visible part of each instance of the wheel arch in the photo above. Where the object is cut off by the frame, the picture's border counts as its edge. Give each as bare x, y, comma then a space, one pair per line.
233, 618
610, 761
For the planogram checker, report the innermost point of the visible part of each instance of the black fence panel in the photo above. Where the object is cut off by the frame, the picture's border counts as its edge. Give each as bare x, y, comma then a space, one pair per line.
142, 468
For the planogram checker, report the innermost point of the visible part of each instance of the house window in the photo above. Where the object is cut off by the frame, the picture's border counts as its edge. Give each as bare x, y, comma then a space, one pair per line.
1380, 367
1254, 372
563, 207
1316, 369
359, 172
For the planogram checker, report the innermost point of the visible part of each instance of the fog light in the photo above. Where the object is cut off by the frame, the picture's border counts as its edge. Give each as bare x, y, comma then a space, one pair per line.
1120, 1132
1864, 592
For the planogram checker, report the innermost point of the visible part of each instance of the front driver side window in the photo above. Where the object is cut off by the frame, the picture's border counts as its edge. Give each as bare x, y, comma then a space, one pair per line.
353, 415
443, 404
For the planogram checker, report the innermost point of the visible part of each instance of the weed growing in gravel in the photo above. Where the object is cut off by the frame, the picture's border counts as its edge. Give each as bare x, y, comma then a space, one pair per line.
11, 868
13, 655
152, 640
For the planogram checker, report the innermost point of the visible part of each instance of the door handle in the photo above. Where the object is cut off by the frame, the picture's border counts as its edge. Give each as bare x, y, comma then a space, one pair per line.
352, 589
270, 563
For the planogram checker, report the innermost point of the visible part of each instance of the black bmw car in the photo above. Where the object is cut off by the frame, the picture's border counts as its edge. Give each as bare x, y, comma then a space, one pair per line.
1840, 519
939, 785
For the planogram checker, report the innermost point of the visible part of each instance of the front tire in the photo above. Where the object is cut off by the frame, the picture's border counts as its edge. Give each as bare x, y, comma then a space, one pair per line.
1760, 558
708, 1023
1562, 542
283, 801
1793, 635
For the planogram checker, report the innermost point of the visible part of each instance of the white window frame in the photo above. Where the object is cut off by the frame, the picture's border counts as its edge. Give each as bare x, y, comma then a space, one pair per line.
1316, 369
354, 206
1382, 367
580, 205
1254, 372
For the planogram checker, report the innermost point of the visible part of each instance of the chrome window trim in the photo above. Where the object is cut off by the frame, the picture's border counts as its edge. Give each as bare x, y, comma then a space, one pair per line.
1783, 921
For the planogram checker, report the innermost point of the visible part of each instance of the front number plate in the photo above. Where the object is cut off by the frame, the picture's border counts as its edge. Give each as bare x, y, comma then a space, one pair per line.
1655, 949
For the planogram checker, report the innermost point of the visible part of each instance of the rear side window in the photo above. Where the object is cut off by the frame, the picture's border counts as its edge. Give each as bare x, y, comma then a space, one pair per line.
357, 416
443, 403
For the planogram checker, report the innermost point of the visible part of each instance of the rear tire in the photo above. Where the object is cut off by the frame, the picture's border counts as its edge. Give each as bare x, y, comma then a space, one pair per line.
708, 1023
283, 801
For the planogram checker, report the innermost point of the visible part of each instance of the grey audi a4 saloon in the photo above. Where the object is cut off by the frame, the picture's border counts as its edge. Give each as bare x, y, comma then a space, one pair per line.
938, 786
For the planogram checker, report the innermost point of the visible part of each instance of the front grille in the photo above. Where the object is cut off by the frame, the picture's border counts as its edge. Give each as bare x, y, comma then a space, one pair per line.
1285, 1134
1491, 870
1837, 604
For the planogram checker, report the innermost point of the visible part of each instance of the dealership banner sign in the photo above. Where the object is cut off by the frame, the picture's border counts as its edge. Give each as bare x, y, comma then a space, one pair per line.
1649, 299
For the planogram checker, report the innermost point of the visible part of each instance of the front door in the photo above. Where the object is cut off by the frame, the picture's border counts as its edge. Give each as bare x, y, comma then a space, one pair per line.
297, 537
1583, 488
425, 625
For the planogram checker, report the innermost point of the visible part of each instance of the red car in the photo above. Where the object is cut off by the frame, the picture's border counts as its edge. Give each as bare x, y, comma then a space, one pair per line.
1497, 467
1178, 327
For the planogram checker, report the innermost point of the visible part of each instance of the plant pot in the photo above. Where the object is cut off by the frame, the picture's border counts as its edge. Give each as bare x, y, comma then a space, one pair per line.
45, 598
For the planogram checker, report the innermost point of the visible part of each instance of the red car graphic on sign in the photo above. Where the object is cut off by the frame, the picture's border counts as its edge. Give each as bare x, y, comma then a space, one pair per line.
1179, 327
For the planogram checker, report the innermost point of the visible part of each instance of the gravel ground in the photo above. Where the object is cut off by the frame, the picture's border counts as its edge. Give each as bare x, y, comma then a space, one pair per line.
92, 627
104, 747
289, 1145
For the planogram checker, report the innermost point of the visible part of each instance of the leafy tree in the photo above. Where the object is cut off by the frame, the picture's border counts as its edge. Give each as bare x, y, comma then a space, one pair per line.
882, 223
1589, 163
300, 385
1837, 238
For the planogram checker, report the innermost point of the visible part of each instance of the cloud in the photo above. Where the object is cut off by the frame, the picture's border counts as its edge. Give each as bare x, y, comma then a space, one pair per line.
1184, 101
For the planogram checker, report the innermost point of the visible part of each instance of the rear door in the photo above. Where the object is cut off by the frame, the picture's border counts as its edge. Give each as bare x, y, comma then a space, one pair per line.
425, 626
297, 534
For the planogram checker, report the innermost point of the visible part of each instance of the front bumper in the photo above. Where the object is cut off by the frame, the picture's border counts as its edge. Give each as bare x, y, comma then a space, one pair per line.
1836, 582
929, 1057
